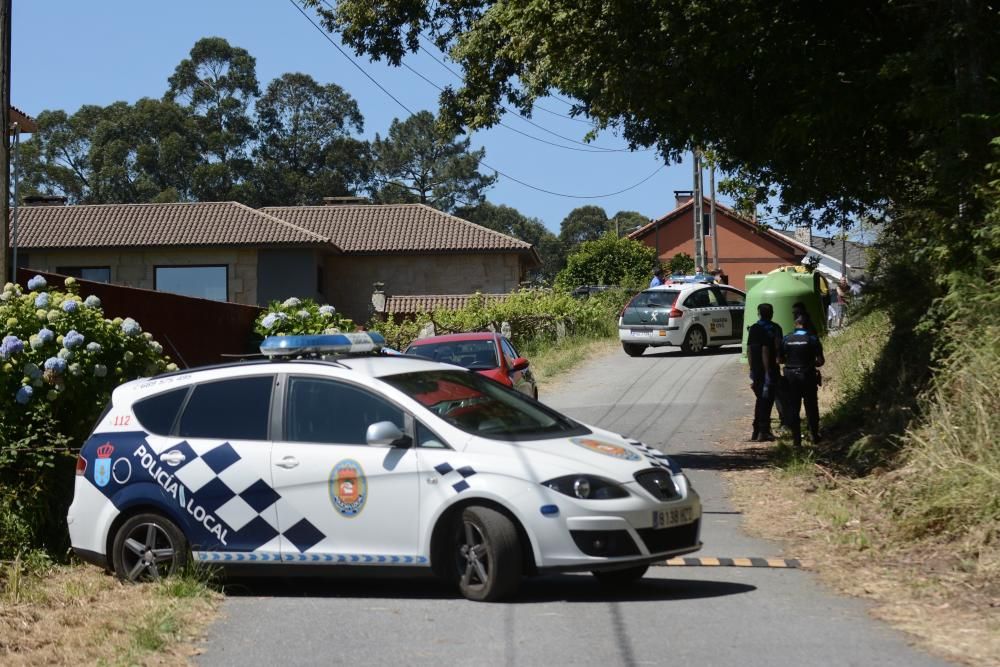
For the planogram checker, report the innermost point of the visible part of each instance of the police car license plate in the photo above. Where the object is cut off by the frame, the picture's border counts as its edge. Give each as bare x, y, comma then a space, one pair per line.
675, 516
641, 333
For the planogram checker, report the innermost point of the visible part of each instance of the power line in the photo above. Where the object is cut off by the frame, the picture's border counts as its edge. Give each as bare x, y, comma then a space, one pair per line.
478, 161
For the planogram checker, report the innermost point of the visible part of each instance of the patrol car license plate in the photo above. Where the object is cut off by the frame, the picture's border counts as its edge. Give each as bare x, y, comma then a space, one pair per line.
672, 517
641, 333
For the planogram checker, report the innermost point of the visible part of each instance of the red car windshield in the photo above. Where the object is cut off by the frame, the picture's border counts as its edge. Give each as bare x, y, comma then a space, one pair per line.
482, 407
475, 354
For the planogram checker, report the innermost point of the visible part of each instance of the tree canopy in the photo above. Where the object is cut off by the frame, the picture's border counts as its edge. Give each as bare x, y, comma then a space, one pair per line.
842, 108
417, 163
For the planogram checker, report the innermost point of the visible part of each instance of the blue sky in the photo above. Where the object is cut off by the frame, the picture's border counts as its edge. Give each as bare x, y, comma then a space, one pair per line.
69, 53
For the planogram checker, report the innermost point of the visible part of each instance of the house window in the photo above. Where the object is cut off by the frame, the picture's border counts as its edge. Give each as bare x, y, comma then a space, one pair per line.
97, 274
204, 282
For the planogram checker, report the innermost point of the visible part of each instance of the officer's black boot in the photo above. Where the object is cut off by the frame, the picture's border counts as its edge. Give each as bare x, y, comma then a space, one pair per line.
796, 436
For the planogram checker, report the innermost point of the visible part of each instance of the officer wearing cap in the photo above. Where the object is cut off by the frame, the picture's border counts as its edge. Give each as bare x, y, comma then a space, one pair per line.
801, 354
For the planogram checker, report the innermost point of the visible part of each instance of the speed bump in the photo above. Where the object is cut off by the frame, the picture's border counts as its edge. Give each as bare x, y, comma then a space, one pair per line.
707, 561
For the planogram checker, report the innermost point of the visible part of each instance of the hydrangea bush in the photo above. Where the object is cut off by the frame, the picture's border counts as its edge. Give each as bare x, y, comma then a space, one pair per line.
295, 316
60, 358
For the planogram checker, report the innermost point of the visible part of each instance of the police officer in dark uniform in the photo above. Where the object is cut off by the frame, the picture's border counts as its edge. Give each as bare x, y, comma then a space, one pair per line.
763, 340
801, 353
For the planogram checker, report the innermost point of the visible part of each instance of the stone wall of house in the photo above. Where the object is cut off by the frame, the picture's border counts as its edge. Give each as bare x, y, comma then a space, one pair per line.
135, 267
349, 279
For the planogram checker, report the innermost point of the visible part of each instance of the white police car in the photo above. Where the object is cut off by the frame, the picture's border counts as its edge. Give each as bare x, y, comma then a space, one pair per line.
690, 315
367, 461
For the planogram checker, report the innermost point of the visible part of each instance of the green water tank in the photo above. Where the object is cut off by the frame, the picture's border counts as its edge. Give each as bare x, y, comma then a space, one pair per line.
782, 290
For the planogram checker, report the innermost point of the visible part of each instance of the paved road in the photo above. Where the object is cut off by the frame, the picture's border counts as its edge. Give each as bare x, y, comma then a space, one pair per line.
677, 615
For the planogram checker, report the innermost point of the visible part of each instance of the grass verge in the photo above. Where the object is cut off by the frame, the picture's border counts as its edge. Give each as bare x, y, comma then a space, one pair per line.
549, 360
77, 614
902, 504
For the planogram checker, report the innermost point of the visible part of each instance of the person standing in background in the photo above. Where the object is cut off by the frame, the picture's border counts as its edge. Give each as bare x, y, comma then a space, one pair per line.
801, 354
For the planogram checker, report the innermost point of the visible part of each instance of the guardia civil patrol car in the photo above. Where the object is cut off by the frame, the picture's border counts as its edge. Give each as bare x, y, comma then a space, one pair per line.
691, 315
321, 456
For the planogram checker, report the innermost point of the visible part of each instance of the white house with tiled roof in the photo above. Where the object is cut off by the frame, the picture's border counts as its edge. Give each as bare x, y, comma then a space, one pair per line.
228, 251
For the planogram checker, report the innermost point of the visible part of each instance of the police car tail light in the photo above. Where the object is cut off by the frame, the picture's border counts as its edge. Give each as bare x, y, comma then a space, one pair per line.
345, 343
674, 312
81, 464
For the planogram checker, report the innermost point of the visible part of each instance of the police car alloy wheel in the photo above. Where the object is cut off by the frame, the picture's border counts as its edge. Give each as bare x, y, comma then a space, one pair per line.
328, 454
148, 547
694, 341
488, 555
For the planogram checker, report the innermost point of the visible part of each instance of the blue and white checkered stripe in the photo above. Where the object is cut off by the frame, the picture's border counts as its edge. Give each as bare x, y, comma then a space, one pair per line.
657, 458
445, 469
325, 558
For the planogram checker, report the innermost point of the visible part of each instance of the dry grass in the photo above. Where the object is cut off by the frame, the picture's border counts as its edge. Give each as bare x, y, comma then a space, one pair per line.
71, 615
841, 527
555, 359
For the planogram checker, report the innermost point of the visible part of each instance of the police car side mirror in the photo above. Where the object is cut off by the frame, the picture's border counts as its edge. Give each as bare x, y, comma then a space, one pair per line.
386, 434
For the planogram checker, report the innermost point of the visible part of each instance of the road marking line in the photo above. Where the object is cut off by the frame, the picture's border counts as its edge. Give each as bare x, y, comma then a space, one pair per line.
708, 561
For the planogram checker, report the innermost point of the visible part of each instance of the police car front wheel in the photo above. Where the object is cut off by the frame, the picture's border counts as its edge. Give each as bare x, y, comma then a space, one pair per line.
148, 547
487, 555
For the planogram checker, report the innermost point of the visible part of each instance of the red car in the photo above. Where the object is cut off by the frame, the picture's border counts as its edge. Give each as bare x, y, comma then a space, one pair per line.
487, 353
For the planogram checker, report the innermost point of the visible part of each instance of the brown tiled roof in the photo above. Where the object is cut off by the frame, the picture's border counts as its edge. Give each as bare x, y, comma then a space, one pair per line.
397, 228
428, 303
151, 225
25, 123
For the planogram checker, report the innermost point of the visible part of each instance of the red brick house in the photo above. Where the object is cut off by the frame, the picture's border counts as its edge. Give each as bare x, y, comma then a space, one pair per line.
744, 247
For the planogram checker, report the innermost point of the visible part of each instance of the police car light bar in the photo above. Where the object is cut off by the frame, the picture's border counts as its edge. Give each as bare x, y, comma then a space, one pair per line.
345, 343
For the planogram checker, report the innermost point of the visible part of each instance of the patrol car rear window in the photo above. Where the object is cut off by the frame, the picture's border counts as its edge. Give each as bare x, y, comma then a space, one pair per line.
654, 299
157, 413
235, 409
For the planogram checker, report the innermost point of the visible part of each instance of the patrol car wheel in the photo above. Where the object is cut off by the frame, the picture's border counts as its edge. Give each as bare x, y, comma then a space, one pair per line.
620, 577
694, 341
148, 547
487, 555
633, 349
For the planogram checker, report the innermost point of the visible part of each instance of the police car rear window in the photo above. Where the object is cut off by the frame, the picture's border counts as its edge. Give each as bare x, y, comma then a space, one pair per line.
654, 299
157, 413
235, 409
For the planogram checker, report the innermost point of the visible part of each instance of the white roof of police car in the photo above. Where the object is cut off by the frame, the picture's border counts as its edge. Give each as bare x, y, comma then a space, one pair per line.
364, 366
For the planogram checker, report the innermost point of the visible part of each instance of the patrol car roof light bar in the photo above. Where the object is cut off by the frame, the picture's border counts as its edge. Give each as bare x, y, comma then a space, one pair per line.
344, 343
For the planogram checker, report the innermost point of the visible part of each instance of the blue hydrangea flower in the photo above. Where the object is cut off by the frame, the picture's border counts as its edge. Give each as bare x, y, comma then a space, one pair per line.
92, 302
155, 347
10, 346
32, 371
37, 283
291, 303
327, 311
24, 395
55, 364
70, 306
46, 335
272, 318
93, 347
130, 327
42, 300
73, 339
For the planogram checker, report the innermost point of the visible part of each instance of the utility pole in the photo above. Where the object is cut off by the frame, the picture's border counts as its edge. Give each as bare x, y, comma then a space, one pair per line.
711, 216
699, 238
5, 268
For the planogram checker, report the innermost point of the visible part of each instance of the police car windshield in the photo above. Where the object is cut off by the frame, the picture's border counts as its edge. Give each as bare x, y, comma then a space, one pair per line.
483, 407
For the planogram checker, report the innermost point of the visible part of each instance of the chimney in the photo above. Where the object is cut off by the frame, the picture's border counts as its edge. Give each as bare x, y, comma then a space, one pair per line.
44, 200
345, 201
803, 235
682, 197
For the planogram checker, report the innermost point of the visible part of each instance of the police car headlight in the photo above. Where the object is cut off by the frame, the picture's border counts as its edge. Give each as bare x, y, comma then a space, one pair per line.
586, 487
